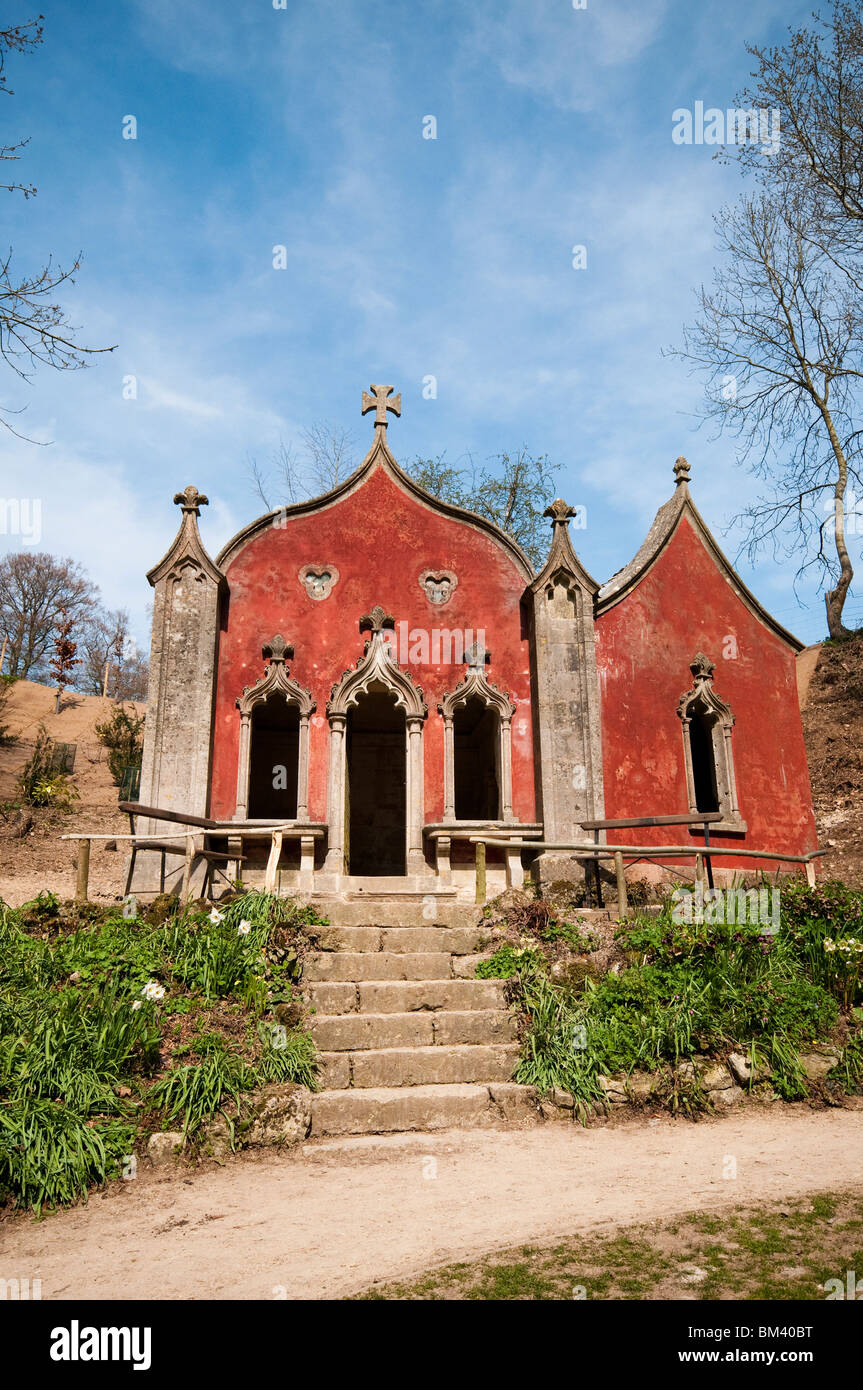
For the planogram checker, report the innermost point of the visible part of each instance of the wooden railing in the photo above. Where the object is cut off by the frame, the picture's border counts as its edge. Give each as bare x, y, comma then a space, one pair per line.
191, 843
619, 853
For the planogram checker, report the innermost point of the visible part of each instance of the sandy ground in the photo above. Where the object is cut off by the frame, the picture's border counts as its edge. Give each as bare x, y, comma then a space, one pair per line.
337, 1216
41, 859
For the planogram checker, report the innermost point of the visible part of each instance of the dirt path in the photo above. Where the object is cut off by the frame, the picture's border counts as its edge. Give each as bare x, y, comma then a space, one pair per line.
337, 1216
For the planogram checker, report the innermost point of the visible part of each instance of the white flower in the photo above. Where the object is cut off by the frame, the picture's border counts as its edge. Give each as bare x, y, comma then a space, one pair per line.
216, 916
244, 928
153, 990
136, 1004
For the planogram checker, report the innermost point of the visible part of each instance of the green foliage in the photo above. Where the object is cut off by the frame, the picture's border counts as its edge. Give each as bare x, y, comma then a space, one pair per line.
195, 1092
508, 961
692, 989
513, 494
123, 736
39, 781
84, 1015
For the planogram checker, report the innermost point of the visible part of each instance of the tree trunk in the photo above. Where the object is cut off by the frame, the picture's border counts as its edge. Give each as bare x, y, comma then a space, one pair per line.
834, 599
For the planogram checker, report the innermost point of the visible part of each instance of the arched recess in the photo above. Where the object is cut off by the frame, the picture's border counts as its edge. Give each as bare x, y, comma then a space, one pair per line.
377, 672
708, 756
277, 684
476, 690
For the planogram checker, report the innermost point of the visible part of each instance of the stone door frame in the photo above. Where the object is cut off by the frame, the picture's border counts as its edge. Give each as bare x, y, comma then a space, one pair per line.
376, 671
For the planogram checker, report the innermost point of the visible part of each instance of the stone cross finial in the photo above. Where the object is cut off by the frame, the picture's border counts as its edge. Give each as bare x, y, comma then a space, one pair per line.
191, 500
560, 512
377, 620
380, 403
278, 650
477, 657
681, 471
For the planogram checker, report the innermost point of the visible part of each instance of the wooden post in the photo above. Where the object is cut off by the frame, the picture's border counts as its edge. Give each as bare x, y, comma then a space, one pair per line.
273, 861
83, 871
187, 870
699, 869
622, 900
810, 872
480, 871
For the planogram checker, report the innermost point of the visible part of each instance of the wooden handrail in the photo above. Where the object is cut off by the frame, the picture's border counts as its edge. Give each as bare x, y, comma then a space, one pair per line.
634, 822
134, 808
619, 852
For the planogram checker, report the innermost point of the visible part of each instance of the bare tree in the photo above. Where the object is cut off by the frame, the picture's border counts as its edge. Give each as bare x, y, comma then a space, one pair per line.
779, 338
19, 38
513, 493
281, 482
326, 460
34, 589
329, 455
815, 83
34, 328
111, 660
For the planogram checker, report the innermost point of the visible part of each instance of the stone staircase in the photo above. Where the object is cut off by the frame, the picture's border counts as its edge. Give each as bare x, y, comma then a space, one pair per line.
409, 1039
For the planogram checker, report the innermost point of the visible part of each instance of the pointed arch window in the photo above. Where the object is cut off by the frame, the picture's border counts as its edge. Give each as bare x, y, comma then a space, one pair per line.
477, 746
708, 754
273, 764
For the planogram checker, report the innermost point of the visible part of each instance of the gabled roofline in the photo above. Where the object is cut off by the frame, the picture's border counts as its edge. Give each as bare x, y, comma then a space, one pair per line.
665, 525
378, 456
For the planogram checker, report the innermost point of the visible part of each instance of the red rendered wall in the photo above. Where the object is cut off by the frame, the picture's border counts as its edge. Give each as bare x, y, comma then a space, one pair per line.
684, 605
380, 538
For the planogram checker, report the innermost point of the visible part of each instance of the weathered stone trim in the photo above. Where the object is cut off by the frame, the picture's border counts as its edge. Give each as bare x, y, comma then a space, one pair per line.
475, 685
376, 668
703, 699
276, 679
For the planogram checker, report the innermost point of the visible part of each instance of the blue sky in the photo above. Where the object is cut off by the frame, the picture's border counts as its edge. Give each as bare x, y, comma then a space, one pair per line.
406, 257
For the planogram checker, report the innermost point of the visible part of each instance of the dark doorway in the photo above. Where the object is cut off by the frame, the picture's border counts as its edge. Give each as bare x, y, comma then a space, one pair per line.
275, 759
703, 763
376, 786
476, 734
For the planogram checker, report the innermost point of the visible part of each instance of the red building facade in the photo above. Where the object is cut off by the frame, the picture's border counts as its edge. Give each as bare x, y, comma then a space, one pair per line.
385, 676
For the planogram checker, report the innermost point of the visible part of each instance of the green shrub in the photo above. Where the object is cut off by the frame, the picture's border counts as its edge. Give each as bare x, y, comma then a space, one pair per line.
508, 961
39, 782
123, 736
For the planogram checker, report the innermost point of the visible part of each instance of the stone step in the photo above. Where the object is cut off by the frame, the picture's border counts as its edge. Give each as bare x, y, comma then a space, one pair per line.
388, 1110
357, 1032
405, 996
417, 1066
397, 909
378, 965
457, 941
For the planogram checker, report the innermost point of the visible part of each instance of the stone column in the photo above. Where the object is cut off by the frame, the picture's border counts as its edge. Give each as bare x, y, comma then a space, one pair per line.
175, 770
565, 697
303, 770
415, 798
243, 763
335, 861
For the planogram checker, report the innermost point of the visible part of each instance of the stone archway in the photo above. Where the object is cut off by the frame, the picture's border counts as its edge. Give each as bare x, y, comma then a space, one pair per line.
276, 686
376, 674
